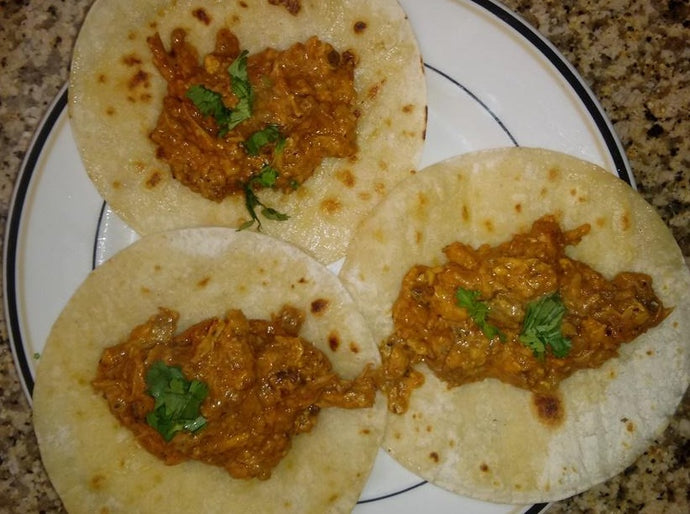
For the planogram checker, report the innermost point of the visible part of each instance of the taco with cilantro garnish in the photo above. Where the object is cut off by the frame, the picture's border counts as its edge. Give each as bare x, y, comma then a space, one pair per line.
293, 119
533, 318
209, 369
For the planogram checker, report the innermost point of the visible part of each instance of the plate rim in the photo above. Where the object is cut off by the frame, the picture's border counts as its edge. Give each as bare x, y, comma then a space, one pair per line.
566, 70
58, 106
15, 217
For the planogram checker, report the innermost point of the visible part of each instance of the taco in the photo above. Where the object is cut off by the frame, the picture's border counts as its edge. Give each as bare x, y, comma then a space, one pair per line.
181, 283
309, 157
494, 437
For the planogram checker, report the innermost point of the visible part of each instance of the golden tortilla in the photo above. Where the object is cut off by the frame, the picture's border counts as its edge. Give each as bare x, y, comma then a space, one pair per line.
485, 439
115, 96
96, 465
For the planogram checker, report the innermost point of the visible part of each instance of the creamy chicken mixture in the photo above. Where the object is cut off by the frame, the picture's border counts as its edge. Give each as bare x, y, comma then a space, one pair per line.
265, 385
297, 107
586, 316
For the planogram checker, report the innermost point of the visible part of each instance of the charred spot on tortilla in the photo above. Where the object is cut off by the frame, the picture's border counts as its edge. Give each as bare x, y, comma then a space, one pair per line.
522, 312
373, 91
252, 122
549, 408
331, 206
154, 179
292, 6
140, 78
202, 15
131, 60
173, 391
203, 282
97, 481
347, 178
319, 305
333, 341
359, 27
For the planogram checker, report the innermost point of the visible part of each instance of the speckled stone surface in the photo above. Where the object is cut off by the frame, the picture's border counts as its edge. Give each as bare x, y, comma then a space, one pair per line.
634, 54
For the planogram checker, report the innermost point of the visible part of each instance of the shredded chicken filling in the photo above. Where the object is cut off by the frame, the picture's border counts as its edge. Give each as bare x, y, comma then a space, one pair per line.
430, 326
266, 385
306, 91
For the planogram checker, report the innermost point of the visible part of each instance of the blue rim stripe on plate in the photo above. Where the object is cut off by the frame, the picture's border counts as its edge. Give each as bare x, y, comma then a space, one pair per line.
47, 125
583, 92
476, 98
394, 493
99, 226
25, 176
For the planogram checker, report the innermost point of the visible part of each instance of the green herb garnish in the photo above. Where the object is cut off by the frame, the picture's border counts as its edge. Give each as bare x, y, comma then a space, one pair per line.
177, 400
210, 103
267, 178
260, 138
478, 311
542, 327
242, 89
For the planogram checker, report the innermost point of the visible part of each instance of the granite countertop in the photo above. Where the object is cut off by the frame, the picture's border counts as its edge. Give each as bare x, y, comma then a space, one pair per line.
634, 54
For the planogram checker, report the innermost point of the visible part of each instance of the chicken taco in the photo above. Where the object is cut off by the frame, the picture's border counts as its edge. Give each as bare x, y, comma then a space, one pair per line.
209, 370
294, 118
532, 316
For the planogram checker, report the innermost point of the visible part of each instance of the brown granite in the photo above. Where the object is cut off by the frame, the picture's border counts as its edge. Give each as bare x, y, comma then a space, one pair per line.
634, 54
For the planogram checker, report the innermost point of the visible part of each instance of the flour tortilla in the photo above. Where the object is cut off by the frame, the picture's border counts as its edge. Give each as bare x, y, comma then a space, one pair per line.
111, 122
95, 463
484, 439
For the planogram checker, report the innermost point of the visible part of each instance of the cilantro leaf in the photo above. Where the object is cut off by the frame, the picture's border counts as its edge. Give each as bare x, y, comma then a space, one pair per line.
542, 327
271, 214
242, 90
260, 138
478, 311
251, 202
177, 400
210, 103
267, 178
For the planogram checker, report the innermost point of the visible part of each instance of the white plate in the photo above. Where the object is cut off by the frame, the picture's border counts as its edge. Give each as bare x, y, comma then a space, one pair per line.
492, 81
